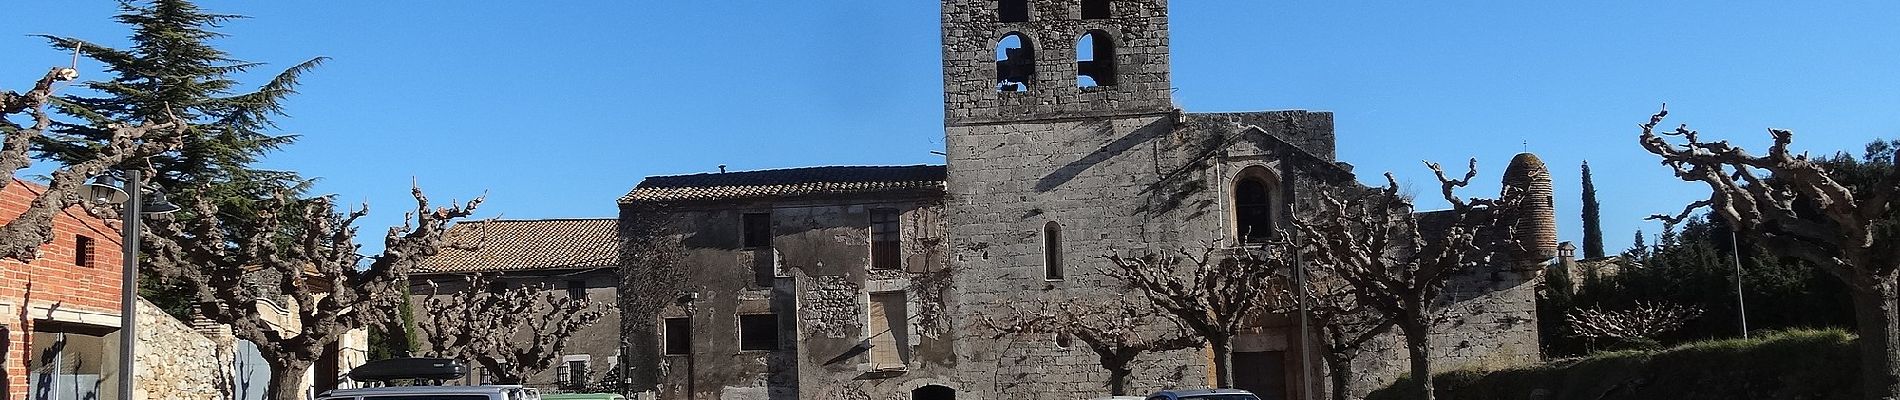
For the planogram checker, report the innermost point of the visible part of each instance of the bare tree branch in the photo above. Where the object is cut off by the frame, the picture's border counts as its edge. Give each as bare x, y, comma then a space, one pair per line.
300, 254
513, 333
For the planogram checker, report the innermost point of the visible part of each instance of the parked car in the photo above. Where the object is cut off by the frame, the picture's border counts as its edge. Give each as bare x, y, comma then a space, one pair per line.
423, 370
1204, 394
583, 396
479, 392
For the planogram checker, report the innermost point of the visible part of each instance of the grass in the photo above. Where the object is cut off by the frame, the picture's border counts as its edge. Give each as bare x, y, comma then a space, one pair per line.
1795, 364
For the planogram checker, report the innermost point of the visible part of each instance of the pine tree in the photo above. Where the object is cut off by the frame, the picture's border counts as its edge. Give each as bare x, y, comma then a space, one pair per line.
1592, 220
1639, 249
172, 69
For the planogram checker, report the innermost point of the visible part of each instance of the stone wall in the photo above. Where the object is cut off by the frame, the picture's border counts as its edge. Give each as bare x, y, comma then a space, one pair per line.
1101, 181
177, 362
821, 281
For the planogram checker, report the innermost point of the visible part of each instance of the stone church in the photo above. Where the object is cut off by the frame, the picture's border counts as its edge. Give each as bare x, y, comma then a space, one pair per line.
1063, 146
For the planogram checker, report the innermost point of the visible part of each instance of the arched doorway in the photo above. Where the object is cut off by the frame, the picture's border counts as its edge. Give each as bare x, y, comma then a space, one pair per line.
934, 392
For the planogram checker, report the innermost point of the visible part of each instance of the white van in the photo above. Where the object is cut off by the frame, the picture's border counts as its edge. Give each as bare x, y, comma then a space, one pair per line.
482, 392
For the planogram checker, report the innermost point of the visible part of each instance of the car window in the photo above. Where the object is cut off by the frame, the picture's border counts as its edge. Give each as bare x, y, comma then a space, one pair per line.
1222, 397
430, 397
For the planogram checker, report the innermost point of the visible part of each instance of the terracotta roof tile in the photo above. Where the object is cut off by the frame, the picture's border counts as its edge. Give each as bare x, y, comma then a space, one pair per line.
791, 182
518, 245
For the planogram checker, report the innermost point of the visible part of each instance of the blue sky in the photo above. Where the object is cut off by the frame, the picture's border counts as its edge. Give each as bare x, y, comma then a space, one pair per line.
555, 109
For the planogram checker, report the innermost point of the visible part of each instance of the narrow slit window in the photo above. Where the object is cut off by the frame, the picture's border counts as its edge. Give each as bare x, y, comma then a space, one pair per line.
758, 332
1253, 209
679, 336
1052, 251
1095, 60
758, 230
1012, 11
1097, 9
1015, 63
886, 252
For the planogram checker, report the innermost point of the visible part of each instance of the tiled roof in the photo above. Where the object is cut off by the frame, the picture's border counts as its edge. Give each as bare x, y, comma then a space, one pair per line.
791, 182
518, 245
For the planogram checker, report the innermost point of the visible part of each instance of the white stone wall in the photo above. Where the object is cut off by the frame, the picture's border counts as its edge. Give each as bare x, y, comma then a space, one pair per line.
175, 362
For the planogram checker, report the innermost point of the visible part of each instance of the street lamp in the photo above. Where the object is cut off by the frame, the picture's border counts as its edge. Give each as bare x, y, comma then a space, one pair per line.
106, 189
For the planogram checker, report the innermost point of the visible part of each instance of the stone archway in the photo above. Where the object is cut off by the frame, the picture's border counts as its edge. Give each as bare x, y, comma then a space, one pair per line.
934, 392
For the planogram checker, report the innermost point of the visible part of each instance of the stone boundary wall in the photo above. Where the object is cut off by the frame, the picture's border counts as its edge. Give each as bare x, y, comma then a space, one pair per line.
176, 362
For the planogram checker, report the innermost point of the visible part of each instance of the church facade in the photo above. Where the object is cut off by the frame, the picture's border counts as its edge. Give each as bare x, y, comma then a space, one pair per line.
1063, 146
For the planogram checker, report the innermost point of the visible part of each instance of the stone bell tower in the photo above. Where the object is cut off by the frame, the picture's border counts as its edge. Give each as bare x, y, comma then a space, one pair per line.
1017, 60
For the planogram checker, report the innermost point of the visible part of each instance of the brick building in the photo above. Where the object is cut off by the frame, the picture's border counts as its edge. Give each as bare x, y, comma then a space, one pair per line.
60, 313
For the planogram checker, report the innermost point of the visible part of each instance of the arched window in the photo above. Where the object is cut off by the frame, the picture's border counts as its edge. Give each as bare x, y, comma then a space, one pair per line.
1096, 9
1012, 11
1253, 205
1015, 63
1052, 251
1095, 60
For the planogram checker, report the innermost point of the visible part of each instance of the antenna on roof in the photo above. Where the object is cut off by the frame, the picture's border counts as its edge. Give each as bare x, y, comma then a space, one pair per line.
722, 168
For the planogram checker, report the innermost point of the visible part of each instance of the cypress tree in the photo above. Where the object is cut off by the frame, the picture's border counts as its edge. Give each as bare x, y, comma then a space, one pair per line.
1592, 220
172, 70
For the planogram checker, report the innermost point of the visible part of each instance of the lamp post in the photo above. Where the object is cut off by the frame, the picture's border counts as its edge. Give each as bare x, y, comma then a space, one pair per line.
134, 205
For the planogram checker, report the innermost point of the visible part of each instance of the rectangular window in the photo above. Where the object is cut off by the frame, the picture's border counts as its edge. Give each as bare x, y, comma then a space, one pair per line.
577, 289
758, 229
69, 360
679, 336
758, 332
764, 268
576, 374
890, 331
885, 252
82, 251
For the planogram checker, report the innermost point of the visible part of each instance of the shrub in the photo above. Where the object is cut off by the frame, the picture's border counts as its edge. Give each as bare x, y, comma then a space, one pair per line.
1795, 364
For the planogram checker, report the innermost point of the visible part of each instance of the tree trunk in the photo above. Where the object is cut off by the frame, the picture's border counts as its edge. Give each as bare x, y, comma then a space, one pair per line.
1878, 327
286, 380
1223, 360
1418, 345
1339, 372
1118, 380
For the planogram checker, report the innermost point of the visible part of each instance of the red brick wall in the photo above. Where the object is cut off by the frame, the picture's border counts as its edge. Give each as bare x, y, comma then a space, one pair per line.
53, 278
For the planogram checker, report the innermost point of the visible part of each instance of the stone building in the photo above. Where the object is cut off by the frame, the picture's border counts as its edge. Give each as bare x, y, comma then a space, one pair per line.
808, 283
1063, 145
577, 258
